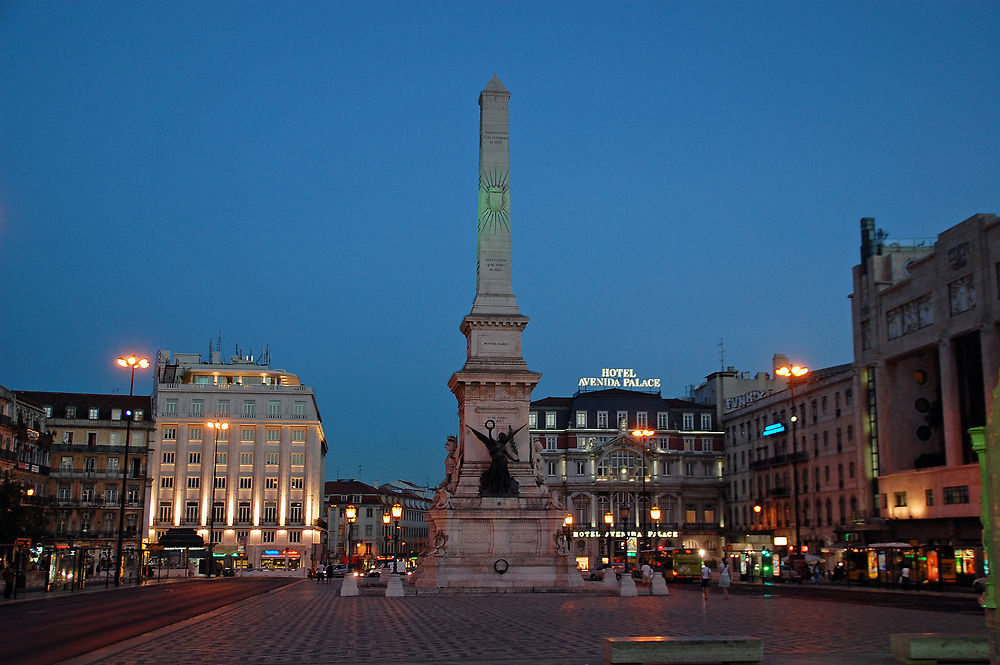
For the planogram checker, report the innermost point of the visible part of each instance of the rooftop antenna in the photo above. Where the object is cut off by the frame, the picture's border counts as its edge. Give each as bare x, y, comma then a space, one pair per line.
722, 355
218, 344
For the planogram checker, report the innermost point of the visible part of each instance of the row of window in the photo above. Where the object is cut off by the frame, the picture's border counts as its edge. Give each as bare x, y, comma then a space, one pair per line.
244, 483
115, 438
88, 493
247, 434
266, 536
269, 512
622, 420
248, 408
246, 458
952, 495
94, 413
662, 443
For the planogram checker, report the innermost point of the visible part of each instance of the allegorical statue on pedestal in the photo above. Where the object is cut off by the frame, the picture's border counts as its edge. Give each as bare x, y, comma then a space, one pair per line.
496, 480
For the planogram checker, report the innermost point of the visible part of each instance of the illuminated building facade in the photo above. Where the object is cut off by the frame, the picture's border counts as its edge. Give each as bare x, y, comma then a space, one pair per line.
925, 317
594, 465
262, 479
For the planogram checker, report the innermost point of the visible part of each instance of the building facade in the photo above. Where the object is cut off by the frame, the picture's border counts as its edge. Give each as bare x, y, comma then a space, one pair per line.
24, 444
257, 485
89, 433
925, 319
595, 466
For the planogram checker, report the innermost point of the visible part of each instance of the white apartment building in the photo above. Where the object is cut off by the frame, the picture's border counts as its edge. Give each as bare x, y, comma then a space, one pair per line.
262, 496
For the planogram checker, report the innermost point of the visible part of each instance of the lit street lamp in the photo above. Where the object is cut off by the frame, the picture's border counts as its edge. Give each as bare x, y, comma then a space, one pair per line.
217, 426
351, 513
386, 521
654, 514
643, 436
793, 372
131, 362
397, 512
609, 521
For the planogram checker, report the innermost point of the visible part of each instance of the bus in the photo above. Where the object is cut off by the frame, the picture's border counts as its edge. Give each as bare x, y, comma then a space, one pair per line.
677, 563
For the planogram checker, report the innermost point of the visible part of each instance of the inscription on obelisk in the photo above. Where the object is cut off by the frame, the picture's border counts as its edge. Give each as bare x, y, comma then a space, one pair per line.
494, 291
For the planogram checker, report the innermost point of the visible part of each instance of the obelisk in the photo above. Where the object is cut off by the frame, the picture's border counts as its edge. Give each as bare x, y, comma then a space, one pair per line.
494, 524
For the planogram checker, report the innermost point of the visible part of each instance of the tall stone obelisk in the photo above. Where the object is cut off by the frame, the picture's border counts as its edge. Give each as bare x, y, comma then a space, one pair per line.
494, 523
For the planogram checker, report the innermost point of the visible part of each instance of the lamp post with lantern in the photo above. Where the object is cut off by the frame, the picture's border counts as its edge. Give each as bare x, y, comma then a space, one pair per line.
793, 372
609, 521
397, 513
130, 362
218, 427
351, 513
643, 436
386, 521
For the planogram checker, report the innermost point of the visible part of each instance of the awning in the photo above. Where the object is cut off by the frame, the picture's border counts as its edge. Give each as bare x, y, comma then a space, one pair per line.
181, 538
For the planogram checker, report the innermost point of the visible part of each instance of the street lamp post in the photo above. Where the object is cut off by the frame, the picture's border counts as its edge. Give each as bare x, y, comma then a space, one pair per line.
397, 512
793, 372
654, 514
609, 521
351, 513
386, 520
217, 426
131, 362
643, 436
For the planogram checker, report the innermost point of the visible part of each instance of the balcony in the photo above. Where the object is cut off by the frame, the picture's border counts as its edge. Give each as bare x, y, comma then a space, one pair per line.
701, 526
779, 460
779, 492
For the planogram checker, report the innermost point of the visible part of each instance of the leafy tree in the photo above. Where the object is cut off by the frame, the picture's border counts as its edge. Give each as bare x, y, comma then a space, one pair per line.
20, 516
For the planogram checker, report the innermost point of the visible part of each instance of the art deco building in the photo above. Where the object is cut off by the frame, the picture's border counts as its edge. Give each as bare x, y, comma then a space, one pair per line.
925, 318
256, 485
88, 461
591, 460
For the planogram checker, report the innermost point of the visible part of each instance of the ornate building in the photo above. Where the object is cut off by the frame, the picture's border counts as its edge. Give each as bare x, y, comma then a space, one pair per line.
595, 465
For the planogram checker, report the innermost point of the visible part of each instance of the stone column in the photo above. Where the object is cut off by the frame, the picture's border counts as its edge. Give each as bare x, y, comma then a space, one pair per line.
951, 414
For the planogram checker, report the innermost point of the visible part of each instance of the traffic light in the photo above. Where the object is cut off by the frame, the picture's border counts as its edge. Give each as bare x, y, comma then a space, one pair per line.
765, 563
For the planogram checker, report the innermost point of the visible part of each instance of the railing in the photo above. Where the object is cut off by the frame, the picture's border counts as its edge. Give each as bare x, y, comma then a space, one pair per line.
778, 460
779, 492
701, 526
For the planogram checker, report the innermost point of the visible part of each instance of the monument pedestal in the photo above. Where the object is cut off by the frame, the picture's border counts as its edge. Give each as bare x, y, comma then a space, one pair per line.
497, 545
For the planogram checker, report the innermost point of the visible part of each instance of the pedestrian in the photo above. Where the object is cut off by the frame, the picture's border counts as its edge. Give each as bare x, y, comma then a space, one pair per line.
725, 578
9, 580
706, 579
904, 577
329, 572
647, 573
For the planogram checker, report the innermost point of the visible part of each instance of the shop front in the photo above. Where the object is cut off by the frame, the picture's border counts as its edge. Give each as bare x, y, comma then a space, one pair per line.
286, 559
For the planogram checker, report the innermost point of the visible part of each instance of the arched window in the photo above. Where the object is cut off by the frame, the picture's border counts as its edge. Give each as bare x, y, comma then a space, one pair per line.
829, 513
621, 464
843, 510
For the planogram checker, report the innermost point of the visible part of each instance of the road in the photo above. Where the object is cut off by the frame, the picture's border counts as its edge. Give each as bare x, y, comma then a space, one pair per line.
54, 629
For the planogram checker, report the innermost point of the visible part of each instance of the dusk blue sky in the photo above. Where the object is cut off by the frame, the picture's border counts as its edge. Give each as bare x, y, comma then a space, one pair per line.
304, 175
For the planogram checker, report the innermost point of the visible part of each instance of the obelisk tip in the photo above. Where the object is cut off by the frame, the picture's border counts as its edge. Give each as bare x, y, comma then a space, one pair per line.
494, 85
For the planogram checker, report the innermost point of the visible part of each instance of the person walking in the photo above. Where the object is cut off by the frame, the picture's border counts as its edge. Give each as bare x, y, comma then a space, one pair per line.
724, 578
706, 579
9, 580
904, 577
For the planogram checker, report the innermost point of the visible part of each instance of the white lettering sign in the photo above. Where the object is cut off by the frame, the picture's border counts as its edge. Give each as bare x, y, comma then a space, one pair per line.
744, 399
618, 378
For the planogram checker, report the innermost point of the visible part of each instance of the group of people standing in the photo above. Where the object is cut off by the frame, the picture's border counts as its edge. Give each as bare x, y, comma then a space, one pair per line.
725, 578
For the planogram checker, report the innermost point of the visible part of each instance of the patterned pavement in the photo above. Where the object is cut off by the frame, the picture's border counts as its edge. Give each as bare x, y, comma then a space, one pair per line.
309, 624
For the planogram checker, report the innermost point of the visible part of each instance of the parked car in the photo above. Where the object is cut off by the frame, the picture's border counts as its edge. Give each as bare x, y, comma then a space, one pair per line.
340, 569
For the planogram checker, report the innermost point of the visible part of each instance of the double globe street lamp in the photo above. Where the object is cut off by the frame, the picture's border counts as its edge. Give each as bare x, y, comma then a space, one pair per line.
130, 363
218, 427
793, 372
397, 513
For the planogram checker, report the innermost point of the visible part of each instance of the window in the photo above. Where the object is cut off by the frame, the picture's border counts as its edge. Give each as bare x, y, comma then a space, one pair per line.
706, 421
641, 419
689, 469
219, 511
662, 420
133, 495
274, 435
689, 443
193, 482
243, 511
581, 468
550, 468
690, 514
273, 409
581, 418
248, 434
621, 418
602, 419
169, 433
222, 458
271, 483
66, 465
222, 408
64, 492
295, 512
270, 511
68, 437
246, 482
550, 420
166, 482
271, 458
532, 420
296, 482
295, 536
137, 416
116, 439
900, 499
267, 537
249, 409
298, 409
111, 495
220, 482
195, 434
707, 445
246, 459
929, 497
298, 436
688, 421
91, 438
551, 442
70, 412
298, 459
191, 511
170, 407
93, 413
166, 511
194, 457
197, 408
956, 494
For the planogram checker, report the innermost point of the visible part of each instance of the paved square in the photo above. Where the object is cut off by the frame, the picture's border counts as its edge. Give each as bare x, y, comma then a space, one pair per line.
310, 624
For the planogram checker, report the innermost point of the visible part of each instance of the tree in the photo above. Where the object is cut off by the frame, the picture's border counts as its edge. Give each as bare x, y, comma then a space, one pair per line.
21, 516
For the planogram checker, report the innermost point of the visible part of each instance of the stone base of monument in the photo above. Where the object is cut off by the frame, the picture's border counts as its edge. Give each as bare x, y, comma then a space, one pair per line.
495, 545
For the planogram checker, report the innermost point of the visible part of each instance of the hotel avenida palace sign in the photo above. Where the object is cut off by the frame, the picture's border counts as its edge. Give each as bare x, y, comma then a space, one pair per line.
617, 378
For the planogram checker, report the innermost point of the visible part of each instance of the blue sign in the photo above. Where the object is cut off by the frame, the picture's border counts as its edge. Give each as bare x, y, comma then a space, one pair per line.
776, 428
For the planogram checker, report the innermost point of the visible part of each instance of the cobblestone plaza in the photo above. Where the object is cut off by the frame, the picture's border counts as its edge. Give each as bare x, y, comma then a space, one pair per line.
311, 624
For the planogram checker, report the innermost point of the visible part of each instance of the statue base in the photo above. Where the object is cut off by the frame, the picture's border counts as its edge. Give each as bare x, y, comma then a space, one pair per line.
496, 545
